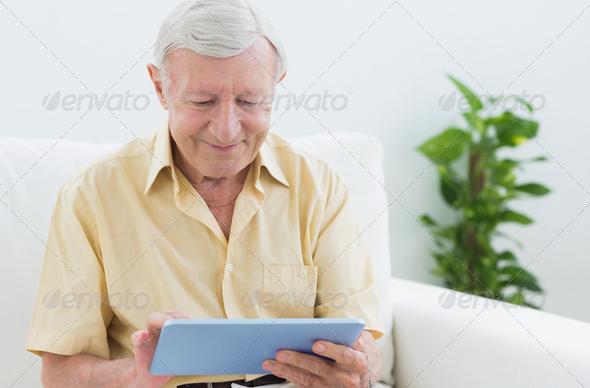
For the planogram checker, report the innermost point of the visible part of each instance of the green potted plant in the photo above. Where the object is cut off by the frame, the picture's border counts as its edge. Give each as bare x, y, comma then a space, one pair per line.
479, 190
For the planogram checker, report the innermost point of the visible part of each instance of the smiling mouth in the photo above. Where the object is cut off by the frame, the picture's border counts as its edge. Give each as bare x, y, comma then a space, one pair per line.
222, 149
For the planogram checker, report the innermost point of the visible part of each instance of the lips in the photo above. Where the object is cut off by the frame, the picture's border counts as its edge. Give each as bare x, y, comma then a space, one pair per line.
222, 149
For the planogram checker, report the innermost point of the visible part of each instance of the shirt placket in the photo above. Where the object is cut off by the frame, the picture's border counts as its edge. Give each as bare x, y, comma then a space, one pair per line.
247, 204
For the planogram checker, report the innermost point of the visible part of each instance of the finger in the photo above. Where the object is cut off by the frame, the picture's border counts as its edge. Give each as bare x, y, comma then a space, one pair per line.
360, 342
343, 355
177, 314
311, 363
302, 377
155, 322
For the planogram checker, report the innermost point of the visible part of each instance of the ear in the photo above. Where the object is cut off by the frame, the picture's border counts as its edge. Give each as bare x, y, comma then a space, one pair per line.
283, 76
157, 81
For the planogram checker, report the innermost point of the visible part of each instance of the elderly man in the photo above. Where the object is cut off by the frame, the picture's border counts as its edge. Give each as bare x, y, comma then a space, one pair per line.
199, 218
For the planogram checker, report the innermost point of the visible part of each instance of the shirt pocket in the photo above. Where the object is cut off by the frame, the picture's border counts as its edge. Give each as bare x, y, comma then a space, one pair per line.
289, 291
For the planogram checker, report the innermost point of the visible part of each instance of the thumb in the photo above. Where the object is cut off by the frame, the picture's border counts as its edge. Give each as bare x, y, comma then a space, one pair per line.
142, 349
139, 338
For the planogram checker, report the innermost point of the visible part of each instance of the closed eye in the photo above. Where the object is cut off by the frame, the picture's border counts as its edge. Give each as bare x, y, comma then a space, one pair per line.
202, 103
247, 103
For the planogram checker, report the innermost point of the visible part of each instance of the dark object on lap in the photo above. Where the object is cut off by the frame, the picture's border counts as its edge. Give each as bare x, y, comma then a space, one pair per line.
263, 380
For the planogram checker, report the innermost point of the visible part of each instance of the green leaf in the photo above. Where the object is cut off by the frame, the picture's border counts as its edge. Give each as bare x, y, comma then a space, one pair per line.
509, 237
474, 121
451, 189
512, 216
533, 189
538, 159
507, 255
438, 272
474, 102
512, 130
470, 117
446, 147
533, 286
446, 233
507, 163
440, 257
514, 271
518, 282
502, 172
516, 298
529, 107
504, 177
425, 219
520, 277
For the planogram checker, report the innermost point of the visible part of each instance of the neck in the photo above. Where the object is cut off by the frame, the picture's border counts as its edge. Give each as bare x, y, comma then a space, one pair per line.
213, 189
231, 184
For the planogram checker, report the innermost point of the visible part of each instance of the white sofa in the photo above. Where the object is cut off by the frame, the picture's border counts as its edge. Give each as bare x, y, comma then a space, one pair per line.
441, 338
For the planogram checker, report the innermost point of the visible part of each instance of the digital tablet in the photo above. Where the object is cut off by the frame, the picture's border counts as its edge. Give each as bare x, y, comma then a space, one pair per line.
240, 346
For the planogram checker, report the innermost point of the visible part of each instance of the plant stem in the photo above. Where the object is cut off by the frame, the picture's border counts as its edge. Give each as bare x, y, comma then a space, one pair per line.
475, 184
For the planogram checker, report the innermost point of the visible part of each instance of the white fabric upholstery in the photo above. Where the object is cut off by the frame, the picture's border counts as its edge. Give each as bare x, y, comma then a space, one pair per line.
442, 340
33, 170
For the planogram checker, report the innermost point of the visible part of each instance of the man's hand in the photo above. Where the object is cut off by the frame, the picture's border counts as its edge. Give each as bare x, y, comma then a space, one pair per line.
144, 345
352, 367
85, 370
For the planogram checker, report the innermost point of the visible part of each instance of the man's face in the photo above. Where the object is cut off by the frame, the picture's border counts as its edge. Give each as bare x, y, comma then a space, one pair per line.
218, 118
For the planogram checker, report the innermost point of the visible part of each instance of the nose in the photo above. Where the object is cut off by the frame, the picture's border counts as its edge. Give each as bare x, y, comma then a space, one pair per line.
225, 125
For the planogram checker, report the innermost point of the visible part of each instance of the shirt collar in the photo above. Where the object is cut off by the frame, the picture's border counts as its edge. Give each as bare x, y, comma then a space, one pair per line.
162, 157
266, 158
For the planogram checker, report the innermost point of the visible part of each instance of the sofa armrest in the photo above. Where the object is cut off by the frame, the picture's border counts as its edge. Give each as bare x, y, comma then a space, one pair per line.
443, 338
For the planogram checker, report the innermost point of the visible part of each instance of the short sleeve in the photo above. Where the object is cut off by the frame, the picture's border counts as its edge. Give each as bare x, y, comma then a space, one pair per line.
346, 280
68, 316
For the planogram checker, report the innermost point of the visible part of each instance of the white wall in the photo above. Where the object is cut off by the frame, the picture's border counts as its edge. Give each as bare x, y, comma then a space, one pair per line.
393, 76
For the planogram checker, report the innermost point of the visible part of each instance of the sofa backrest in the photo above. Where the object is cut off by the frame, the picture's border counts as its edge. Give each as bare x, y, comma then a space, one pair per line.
32, 170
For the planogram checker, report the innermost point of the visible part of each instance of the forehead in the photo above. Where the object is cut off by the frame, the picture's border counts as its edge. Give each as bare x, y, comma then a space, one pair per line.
216, 83
248, 72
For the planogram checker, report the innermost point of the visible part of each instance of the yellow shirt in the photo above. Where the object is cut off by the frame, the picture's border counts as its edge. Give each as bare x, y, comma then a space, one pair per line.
130, 227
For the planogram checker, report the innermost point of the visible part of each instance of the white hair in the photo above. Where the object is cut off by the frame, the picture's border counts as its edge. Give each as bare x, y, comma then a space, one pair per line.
216, 28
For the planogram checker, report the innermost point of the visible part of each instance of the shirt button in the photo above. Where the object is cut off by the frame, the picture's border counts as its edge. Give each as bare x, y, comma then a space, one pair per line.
303, 273
229, 267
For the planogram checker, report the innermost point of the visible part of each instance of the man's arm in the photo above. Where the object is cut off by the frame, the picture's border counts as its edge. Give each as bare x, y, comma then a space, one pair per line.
85, 370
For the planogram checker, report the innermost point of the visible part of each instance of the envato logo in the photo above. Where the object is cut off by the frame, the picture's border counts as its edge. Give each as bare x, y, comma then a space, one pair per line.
88, 299
271, 299
510, 102
112, 102
452, 298
311, 102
